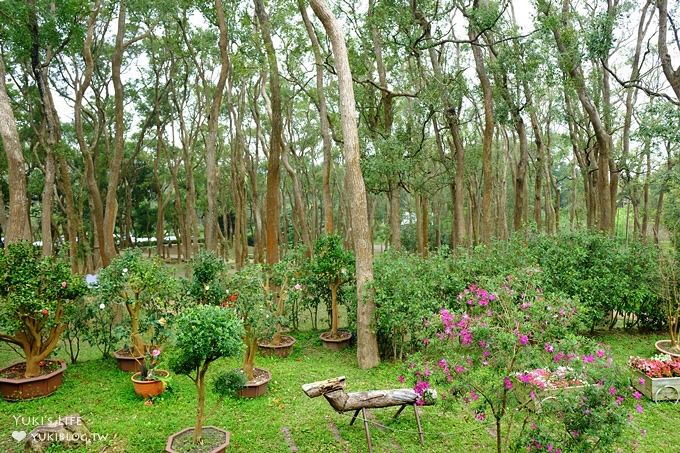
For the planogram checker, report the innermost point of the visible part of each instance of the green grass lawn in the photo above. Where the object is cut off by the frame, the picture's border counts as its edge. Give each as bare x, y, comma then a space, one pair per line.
103, 396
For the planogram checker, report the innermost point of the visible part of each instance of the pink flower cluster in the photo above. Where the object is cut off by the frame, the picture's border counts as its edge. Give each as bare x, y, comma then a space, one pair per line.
474, 295
657, 367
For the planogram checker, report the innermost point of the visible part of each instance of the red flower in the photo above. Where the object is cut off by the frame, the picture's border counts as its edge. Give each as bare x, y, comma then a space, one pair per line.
233, 297
45, 311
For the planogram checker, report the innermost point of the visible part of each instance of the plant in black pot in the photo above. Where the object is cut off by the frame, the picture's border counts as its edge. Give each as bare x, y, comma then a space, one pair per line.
205, 333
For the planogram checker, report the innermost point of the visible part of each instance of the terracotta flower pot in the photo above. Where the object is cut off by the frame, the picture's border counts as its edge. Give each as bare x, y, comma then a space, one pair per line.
280, 350
128, 362
17, 389
172, 445
148, 389
258, 386
336, 344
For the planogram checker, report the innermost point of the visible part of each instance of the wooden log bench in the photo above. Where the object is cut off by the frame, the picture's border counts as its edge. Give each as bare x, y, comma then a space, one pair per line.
334, 392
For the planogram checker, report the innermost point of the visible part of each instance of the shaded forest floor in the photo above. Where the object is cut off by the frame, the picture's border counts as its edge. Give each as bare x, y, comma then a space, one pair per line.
103, 395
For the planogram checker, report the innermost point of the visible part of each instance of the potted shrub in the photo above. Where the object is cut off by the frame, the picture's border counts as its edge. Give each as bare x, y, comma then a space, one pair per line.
657, 378
34, 295
205, 334
670, 294
334, 266
249, 297
143, 287
150, 381
283, 272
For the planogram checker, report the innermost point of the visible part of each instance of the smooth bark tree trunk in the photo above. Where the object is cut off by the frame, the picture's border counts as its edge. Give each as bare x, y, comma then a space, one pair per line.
272, 204
211, 142
367, 344
323, 119
487, 137
18, 229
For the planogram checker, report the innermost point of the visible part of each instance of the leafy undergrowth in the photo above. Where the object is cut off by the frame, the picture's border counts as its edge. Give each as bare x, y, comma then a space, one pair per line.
103, 396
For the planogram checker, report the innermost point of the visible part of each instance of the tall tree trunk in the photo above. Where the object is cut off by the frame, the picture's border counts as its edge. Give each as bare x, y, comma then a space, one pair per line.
673, 75
272, 204
19, 229
211, 142
115, 164
323, 119
573, 69
72, 220
487, 138
367, 344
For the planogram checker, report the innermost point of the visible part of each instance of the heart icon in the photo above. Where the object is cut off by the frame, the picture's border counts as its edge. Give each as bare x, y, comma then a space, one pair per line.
19, 435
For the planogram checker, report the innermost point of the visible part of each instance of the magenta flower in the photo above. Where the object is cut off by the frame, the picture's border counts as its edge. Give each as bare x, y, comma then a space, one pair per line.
426, 341
619, 400
641, 381
637, 395
156, 352
600, 353
639, 409
523, 340
507, 383
473, 395
401, 378
548, 347
612, 390
588, 358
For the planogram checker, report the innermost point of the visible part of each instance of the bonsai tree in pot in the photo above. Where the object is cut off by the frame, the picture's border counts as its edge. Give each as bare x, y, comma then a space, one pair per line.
334, 266
250, 298
142, 286
206, 333
281, 276
34, 295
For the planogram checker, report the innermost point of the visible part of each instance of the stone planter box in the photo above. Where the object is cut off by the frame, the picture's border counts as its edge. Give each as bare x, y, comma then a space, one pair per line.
657, 389
542, 396
30, 388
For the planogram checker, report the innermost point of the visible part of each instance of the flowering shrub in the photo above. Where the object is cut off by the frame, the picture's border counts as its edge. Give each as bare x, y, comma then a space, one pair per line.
35, 295
496, 347
142, 286
659, 366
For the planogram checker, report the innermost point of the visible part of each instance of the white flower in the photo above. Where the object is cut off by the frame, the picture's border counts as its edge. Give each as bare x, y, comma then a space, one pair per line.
206, 287
298, 286
125, 270
102, 306
343, 271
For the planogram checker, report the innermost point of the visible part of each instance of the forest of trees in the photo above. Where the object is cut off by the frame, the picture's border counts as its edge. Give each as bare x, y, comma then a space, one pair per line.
415, 124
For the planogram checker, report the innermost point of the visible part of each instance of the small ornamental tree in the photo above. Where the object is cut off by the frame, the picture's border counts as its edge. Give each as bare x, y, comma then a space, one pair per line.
34, 295
206, 333
207, 285
512, 357
334, 266
250, 297
139, 284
